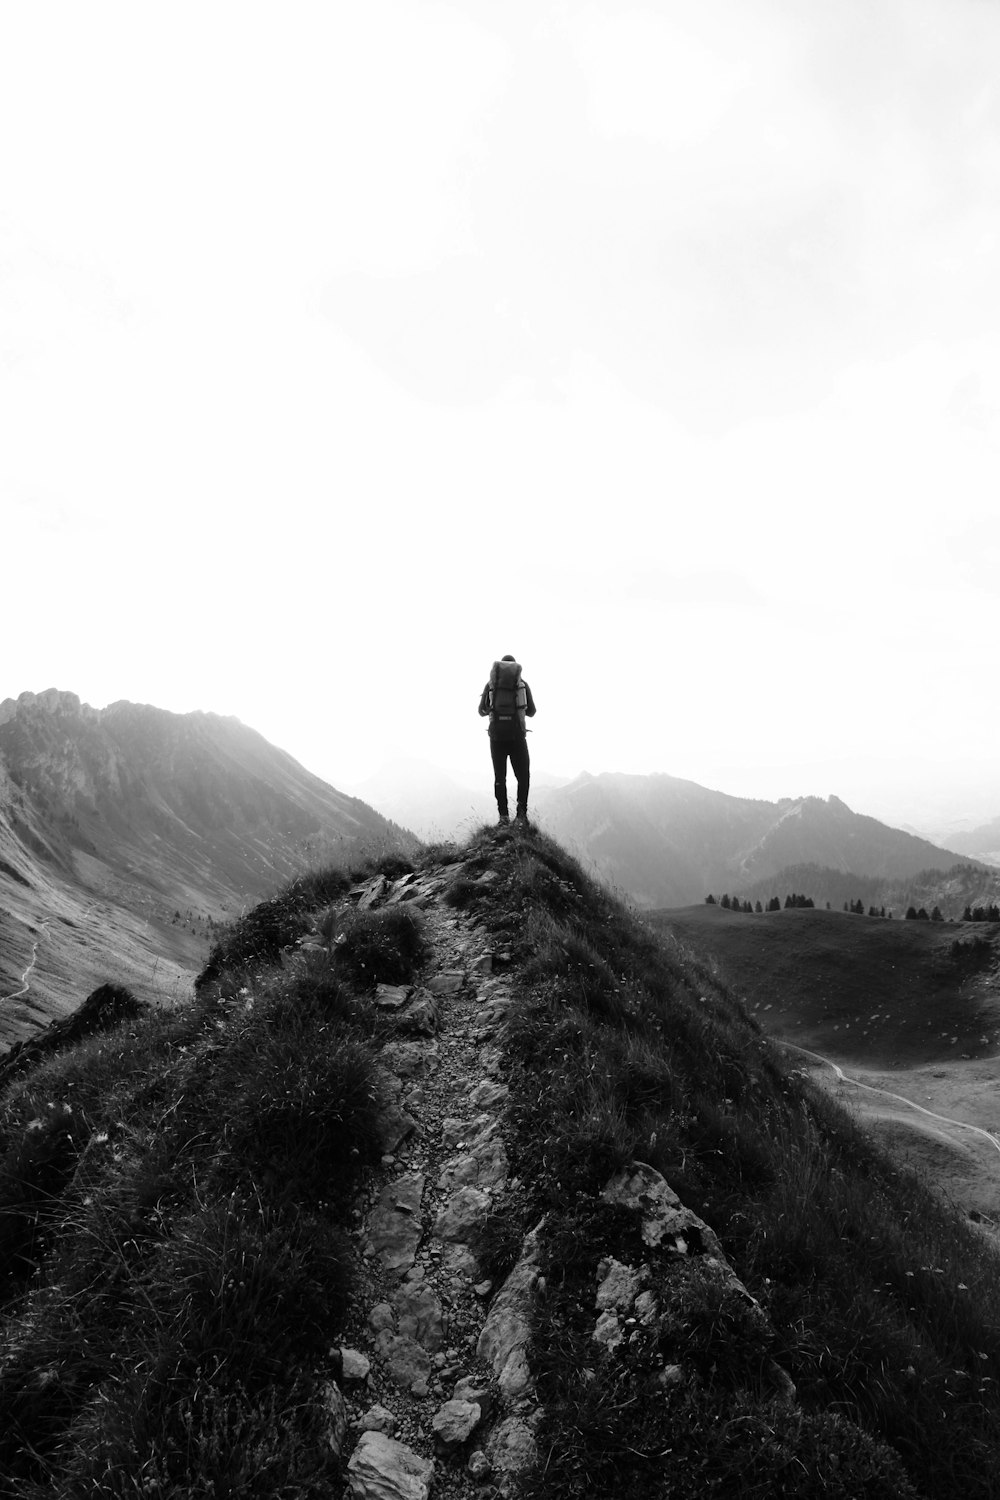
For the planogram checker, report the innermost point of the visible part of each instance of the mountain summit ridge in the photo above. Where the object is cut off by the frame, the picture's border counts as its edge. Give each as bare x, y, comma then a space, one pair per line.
459, 1175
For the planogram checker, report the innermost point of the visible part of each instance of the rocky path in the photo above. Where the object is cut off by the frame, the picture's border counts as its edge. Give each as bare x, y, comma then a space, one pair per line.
435, 1391
26, 976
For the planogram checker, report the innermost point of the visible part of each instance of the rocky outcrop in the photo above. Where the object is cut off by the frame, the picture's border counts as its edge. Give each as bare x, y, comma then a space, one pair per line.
639, 1302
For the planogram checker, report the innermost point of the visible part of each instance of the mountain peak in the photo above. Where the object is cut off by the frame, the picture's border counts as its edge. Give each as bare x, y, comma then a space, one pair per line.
144, 815
50, 701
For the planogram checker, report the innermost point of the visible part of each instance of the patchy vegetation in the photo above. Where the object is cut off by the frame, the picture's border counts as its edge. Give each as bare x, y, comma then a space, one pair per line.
883, 1306
175, 1193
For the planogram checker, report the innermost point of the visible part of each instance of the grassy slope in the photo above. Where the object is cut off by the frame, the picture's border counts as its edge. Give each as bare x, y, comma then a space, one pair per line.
172, 1202
871, 990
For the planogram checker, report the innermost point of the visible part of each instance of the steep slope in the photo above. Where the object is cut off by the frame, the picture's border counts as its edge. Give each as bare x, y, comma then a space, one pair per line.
162, 821
476, 1181
864, 989
668, 842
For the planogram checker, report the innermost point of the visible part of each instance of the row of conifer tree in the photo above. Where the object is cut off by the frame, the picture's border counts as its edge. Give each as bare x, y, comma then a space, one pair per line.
989, 913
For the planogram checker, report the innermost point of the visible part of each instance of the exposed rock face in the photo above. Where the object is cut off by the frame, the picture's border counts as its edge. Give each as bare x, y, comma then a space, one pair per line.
665, 1220
507, 1329
682, 1246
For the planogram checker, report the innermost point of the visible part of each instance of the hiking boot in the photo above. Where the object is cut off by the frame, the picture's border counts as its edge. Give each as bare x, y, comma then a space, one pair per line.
522, 820
503, 821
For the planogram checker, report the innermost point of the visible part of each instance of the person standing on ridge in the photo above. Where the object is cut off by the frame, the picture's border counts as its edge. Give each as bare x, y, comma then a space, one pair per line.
507, 700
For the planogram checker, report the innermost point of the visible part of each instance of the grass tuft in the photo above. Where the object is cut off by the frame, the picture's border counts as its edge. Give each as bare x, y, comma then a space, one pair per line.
383, 946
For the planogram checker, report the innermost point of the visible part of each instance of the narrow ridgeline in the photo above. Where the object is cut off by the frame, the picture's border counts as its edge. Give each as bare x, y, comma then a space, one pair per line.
452, 1180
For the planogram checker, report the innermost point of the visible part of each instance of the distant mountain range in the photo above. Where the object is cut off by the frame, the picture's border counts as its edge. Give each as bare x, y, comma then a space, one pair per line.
980, 843
667, 842
443, 804
434, 803
124, 831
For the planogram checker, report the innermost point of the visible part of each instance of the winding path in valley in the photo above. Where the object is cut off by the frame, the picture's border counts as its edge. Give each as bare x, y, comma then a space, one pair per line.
872, 1088
26, 976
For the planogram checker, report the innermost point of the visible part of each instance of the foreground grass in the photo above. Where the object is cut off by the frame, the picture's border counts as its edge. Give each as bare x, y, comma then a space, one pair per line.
174, 1265
884, 1305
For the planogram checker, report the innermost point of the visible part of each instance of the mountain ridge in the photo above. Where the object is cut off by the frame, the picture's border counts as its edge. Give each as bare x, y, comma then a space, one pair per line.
473, 1108
667, 841
166, 821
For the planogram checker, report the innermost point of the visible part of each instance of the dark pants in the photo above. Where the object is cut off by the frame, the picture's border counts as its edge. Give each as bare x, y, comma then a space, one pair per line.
517, 750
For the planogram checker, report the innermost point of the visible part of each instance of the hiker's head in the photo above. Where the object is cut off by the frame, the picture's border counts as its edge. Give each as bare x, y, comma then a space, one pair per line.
508, 658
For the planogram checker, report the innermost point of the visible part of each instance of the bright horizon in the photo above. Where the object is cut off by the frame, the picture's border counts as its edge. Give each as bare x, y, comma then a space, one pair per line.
343, 350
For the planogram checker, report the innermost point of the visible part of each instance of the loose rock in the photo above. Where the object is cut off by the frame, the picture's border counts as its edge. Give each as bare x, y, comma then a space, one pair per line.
462, 1215
383, 1469
354, 1365
378, 1419
405, 1360
455, 1422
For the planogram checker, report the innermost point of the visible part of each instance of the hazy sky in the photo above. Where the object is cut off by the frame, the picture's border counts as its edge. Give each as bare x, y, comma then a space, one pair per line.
347, 346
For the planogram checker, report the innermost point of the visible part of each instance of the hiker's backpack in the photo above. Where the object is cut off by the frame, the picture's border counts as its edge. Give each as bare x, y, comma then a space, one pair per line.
508, 699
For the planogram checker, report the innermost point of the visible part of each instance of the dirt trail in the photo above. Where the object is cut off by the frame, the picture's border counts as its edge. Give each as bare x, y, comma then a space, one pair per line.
436, 1383
885, 1093
26, 976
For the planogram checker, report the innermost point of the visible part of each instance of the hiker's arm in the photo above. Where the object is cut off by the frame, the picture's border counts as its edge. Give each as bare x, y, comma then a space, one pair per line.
484, 702
529, 706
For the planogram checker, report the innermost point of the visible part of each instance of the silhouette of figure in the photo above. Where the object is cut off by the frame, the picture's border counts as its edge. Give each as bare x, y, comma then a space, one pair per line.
507, 700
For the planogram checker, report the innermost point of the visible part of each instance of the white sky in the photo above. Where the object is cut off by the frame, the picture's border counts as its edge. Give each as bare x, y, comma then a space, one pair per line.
347, 346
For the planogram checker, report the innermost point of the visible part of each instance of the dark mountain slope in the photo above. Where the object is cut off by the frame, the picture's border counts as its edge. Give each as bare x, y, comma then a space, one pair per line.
668, 842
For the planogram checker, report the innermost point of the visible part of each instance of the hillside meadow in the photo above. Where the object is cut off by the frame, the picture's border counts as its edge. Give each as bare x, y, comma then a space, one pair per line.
176, 1196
